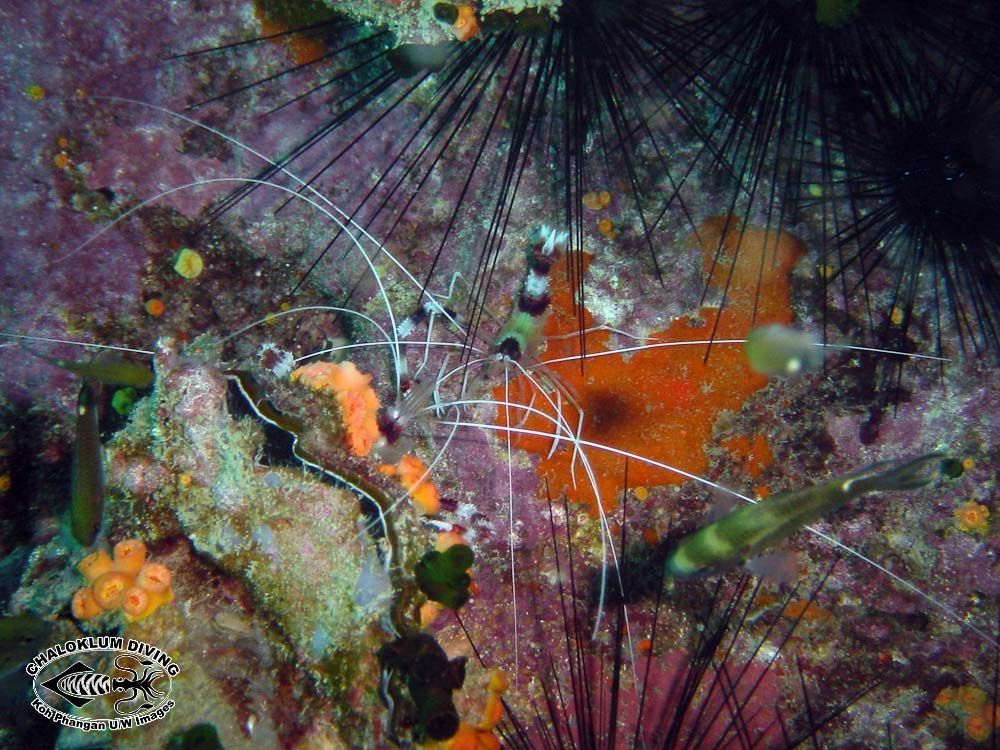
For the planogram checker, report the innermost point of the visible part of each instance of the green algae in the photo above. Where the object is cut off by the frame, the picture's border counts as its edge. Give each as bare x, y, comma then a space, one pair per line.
444, 577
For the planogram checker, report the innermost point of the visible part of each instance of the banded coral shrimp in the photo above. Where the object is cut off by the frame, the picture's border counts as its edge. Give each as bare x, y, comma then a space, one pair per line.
93, 316
460, 433
594, 691
167, 463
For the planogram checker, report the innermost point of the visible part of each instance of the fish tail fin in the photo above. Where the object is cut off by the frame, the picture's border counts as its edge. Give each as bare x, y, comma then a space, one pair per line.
911, 474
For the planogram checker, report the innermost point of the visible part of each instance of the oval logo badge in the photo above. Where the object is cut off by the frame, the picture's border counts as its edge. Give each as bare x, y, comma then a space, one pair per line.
102, 683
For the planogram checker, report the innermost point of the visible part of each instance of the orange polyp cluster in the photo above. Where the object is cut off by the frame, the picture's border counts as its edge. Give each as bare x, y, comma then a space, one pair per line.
357, 400
126, 581
412, 474
595, 201
660, 403
972, 516
977, 715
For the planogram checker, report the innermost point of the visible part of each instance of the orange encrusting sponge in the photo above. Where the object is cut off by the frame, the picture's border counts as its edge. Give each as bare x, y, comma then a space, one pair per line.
126, 581
357, 400
660, 403
753, 452
413, 475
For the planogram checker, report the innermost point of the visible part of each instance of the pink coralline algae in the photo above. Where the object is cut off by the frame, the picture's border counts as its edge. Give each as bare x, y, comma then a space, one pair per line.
277, 572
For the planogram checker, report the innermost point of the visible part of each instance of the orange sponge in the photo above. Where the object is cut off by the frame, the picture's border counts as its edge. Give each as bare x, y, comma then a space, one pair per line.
412, 474
358, 403
661, 403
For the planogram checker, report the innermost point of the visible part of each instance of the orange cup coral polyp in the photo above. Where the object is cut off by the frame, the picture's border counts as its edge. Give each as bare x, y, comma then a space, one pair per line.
129, 556
466, 26
85, 605
154, 578
972, 516
94, 565
135, 602
110, 588
126, 581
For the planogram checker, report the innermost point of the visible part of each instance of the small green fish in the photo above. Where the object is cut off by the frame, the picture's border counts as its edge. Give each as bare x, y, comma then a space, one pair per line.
21, 637
87, 505
110, 372
751, 529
